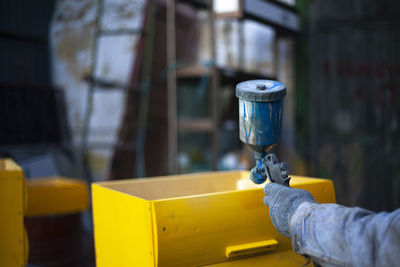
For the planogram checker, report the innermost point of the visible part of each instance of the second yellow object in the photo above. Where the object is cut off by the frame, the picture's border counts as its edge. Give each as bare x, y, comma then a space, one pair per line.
13, 238
56, 195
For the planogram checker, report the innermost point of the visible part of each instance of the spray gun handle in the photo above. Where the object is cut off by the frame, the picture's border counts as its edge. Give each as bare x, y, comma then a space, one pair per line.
277, 172
268, 167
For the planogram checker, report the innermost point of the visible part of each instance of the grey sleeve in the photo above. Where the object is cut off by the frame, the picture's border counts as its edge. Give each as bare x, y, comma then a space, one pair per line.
334, 235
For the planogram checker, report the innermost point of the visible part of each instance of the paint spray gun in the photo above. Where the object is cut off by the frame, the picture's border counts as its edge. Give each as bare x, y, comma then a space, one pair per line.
260, 125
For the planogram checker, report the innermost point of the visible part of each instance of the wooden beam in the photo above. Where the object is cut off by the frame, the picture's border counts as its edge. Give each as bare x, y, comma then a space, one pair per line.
171, 87
192, 71
200, 125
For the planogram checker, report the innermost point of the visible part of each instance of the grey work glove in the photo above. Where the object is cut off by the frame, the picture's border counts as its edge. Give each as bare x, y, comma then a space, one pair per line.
283, 202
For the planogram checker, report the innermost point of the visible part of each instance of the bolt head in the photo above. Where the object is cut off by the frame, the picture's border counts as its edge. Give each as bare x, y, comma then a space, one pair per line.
285, 173
284, 166
261, 86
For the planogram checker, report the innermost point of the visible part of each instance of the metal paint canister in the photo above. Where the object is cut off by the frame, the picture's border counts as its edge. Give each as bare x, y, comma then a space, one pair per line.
260, 112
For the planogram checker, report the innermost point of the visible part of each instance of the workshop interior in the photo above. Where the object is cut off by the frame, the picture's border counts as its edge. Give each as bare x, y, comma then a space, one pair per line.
142, 132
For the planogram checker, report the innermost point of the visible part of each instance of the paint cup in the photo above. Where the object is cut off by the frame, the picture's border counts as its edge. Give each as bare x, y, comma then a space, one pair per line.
260, 113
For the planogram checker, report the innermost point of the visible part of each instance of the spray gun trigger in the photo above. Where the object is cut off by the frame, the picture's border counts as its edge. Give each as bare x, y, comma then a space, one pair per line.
277, 172
284, 169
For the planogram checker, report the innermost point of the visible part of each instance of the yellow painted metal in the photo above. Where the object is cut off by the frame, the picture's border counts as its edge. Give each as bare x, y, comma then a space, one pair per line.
250, 248
189, 220
56, 195
13, 239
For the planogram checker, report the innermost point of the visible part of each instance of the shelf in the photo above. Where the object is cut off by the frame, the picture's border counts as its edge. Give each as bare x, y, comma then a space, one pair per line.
239, 75
195, 71
192, 71
201, 4
195, 125
282, 17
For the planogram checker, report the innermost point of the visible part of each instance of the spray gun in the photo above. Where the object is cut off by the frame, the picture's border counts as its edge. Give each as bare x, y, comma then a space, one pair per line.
260, 124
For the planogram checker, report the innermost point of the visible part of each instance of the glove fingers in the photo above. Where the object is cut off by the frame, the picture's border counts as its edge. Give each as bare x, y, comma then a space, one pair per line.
283, 202
267, 188
266, 201
272, 193
269, 195
270, 188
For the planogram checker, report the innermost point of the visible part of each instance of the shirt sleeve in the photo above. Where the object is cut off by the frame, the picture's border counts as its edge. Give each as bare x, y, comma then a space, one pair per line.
334, 235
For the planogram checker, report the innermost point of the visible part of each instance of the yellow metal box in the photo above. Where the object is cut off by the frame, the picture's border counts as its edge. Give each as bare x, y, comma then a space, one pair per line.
191, 220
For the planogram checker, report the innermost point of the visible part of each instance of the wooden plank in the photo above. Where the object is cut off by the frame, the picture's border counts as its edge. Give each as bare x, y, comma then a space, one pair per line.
201, 4
202, 125
215, 83
192, 71
271, 12
171, 85
229, 15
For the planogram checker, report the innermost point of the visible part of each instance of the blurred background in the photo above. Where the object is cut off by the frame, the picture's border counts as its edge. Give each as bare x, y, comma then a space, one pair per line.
114, 89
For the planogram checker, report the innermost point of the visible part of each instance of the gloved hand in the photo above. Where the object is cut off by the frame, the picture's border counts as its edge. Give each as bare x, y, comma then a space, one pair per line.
283, 202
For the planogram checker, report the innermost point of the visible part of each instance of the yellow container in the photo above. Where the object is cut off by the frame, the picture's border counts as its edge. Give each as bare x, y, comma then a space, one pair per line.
191, 220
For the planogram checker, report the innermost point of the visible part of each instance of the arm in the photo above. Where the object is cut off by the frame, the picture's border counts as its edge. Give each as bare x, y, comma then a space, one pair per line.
333, 235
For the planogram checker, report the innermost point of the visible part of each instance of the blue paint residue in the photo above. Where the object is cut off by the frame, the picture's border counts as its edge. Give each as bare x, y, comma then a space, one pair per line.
263, 125
244, 124
275, 84
266, 118
253, 114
